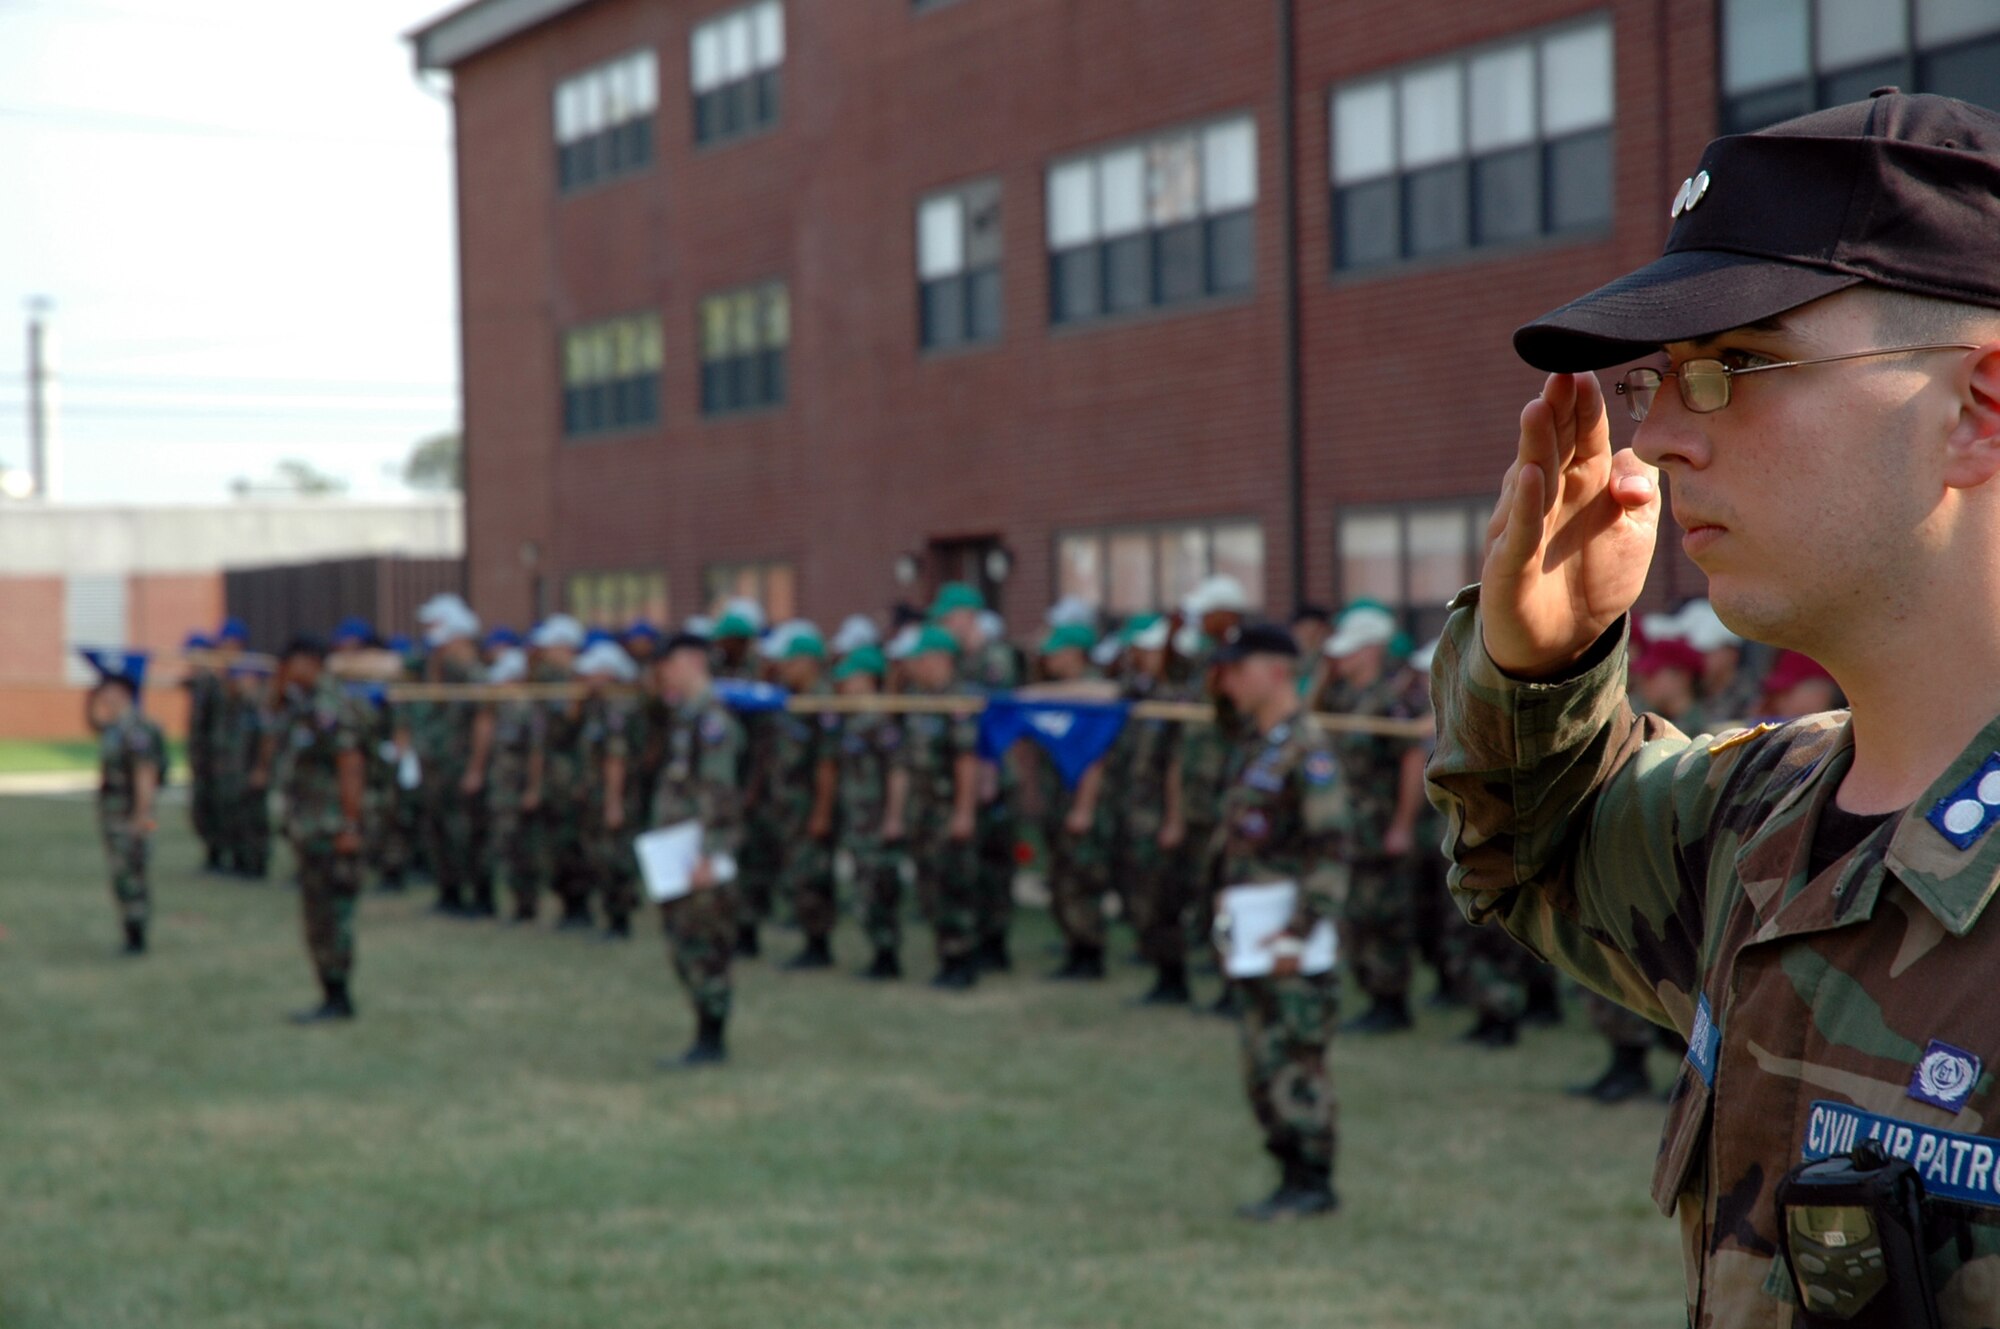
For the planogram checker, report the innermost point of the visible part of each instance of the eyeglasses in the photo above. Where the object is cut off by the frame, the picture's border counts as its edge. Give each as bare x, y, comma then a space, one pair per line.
1704, 384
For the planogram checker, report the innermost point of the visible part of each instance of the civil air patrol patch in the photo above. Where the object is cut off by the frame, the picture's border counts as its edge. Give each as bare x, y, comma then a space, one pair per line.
1945, 1076
713, 728
1253, 825
1704, 1041
1320, 770
1964, 815
1265, 777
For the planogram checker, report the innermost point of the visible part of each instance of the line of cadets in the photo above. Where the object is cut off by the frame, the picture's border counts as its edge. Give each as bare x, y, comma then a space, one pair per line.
547, 796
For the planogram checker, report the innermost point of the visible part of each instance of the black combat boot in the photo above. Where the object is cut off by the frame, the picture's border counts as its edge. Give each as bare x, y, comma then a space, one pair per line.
1494, 1032
1544, 1002
618, 928
1385, 1015
392, 883
1170, 988
482, 901
818, 954
992, 956
1083, 964
1304, 1191
957, 973
338, 1005
887, 966
747, 945
449, 903
525, 910
135, 939
1225, 1006
213, 862
1624, 1078
575, 915
707, 1049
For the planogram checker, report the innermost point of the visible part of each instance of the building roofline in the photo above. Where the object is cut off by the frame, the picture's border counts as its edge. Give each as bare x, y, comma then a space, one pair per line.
478, 25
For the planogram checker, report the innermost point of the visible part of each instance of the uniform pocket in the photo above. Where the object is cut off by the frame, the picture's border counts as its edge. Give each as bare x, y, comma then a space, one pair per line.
1682, 1140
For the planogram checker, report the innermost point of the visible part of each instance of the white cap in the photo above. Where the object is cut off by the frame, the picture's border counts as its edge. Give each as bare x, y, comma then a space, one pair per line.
510, 666
991, 625
1703, 629
1662, 627
748, 610
607, 659
558, 630
451, 622
440, 607
904, 644
1106, 652
1219, 594
1188, 641
780, 638
1420, 659
1072, 609
856, 631
1154, 637
699, 625
1365, 625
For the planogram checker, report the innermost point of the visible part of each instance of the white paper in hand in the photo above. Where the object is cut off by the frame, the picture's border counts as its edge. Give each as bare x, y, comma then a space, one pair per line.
1248, 916
409, 772
668, 858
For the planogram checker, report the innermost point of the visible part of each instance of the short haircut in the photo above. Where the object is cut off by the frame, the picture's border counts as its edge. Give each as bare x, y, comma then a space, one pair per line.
1905, 318
306, 645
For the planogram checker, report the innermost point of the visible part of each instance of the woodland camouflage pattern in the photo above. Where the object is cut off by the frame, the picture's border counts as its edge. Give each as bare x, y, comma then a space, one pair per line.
1661, 870
1381, 910
805, 875
994, 668
122, 749
1135, 785
317, 729
704, 752
866, 747
947, 869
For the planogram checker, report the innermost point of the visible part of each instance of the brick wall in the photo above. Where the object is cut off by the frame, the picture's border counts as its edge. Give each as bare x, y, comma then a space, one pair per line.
1411, 387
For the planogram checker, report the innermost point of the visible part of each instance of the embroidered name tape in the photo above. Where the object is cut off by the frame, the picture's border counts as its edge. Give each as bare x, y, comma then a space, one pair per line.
1954, 1166
1704, 1041
1945, 1076
1964, 815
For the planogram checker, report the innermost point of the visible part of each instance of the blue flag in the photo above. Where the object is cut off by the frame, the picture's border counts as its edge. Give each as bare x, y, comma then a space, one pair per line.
1074, 733
750, 698
128, 665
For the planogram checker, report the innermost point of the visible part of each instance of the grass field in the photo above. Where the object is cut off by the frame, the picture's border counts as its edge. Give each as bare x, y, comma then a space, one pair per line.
490, 1144
20, 756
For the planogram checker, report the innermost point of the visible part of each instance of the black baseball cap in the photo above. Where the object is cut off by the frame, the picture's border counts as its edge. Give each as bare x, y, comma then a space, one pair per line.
684, 641
1241, 643
1899, 191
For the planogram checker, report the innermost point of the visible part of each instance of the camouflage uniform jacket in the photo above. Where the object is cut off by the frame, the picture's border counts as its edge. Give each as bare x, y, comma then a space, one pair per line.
1371, 764
867, 748
1286, 817
441, 731
122, 749
204, 695
614, 727
994, 668
932, 744
1136, 772
1672, 875
704, 750
799, 742
517, 736
314, 730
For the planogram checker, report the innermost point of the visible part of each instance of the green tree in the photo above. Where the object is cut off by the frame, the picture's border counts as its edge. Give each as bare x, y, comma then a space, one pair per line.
436, 463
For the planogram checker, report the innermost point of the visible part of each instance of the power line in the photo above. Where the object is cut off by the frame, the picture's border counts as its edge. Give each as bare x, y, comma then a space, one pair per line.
93, 119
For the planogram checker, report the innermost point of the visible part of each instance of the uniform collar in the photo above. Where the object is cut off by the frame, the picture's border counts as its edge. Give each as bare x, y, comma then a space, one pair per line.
1954, 884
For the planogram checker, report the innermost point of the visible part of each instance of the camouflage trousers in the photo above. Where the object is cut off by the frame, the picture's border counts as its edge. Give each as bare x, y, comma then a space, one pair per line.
391, 824
948, 889
1484, 966
995, 839
1287, 1025
451, 831
1381, 923
805, 882
758, 866
614, 865
329, 885
125, 853
1156, 889
701, 939
1079, 879
878, 890
517, 842
568, 865
243, 824
1191, 868
201, 805
1621, 1028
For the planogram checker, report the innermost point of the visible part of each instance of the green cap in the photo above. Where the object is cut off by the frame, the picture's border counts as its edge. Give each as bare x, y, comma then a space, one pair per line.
1137, 624
861, 660
954, 595
804, 646
1069, 637
934, 641
731, 626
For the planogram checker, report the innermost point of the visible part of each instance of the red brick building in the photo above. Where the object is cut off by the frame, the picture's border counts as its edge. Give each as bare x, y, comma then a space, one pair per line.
833, 299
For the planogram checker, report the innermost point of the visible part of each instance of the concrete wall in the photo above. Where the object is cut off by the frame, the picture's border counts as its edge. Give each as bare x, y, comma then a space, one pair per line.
61, 539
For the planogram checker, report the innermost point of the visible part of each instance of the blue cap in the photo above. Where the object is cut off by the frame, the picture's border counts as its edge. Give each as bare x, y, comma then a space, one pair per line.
641, 630
400, 644
597, 635
234, 629
354, 628
198, 641
502, 636
127, 667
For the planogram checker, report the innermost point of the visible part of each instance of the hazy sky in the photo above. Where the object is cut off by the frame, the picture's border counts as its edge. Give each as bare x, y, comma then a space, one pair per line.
241, 210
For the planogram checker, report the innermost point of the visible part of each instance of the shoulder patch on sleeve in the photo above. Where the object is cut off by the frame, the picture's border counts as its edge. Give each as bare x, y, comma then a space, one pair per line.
1738, 739
1320, 769
714, 727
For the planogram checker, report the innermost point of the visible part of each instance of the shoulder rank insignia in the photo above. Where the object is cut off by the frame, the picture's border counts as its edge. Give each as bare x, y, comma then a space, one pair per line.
1964, 815
1739, 738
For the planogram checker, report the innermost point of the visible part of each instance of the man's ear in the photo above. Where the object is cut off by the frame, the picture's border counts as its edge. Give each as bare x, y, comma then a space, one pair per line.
1972, 449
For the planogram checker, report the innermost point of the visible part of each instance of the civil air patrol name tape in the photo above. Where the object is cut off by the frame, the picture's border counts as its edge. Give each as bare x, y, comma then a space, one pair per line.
1954, 1166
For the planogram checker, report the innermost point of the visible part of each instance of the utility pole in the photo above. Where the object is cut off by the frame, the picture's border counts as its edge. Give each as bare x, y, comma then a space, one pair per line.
41, 399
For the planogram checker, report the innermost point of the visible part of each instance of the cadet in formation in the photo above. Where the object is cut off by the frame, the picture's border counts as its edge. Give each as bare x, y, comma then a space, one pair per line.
986, 664
1806, 904
867, 750
1076, 826
933, 806
131, 768
799, 788
1151, 852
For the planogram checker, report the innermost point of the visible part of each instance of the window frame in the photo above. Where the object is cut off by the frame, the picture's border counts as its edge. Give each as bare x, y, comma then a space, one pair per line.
743, 371
760, 570
759, 89
1461, 170
1474, 511
968, 280
1157, 533
636, 136
614, 388
619, 582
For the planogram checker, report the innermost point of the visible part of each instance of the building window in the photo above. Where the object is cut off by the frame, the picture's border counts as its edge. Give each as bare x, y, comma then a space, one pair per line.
611, 375
1782, 58
604, 120
744, 335
736, 59
773, 585
1487, 147
1156, 223
1413, 557
617, 599
958, 266
1140, 569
